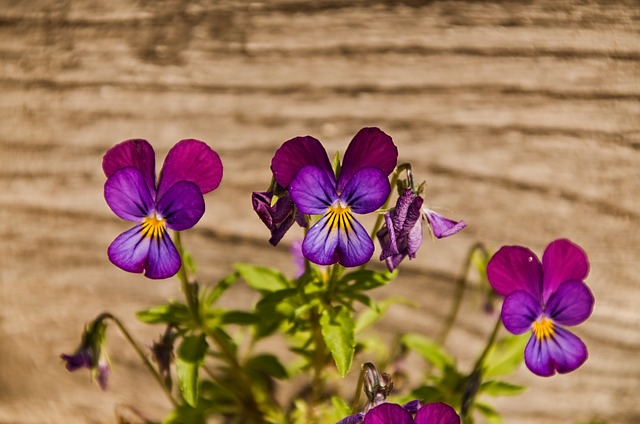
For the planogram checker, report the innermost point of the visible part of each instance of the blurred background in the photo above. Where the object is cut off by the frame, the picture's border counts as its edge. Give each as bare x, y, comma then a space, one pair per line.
523, 118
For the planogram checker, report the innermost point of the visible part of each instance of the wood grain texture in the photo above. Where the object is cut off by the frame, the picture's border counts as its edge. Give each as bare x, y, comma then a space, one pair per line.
523, 117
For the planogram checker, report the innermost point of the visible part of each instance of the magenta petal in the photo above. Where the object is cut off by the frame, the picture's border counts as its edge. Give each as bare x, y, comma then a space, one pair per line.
563, 352
312, 191
519, 310
388, 413
191, 160
129, 250
515, 268
163, 260
127, 194
370, 147
366, 191
181, 206
562, 261
437, 413
321, 243
136, 153
355, 247
571, 304
297, 153
442, 226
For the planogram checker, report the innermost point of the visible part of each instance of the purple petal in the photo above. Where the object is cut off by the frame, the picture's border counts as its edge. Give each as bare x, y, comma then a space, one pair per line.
562, 261
515, 268
394, 260
366, 191
127, 194
388, 413
181, 206
369, 148
321, 243
355, 247
519, 310
163, 260
563, 352
80, 359
387, 237
102, 374
407, 213
437, 413
129, 250
571, 304
352, 419
414, 239
442, 226
297, 153
191, 160
412, 406
312, 191
136, 153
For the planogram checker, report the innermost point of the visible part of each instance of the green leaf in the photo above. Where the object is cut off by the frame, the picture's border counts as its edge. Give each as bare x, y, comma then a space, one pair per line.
170, 313
364, 280
376, 312
506, 356
490, 414
501, 388
428, 394
429, 350
338, 332
268, 364
239, 317
261, 278
190, 358
340, 406
210, 295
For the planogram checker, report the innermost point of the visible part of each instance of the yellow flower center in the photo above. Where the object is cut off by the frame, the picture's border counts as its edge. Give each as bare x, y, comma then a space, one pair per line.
543, 328
339, 216
153, 226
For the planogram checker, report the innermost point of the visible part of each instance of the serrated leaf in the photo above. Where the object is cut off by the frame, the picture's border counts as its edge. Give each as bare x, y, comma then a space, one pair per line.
191, 353
429, 350
210, 295
262, 278
363, 280
170, 313
501, 388
338, 330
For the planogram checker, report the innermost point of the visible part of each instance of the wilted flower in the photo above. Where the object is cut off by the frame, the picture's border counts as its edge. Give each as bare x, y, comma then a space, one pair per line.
190, 170
302, 166
278, 217
540, 297
162, 352
401, 235
90, 354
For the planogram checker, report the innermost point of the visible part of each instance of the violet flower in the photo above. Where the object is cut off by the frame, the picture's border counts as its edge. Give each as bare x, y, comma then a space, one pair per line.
302, 166
175, 201
278, 217
90, 354
540, 297
401, 235
387, 413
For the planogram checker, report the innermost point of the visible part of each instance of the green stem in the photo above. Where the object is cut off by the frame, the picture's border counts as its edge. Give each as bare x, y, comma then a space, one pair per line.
461, 285
358, 394
140, 352
186, 286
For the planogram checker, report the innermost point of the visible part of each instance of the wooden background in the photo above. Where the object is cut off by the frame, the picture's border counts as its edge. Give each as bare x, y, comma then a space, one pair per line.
524, 118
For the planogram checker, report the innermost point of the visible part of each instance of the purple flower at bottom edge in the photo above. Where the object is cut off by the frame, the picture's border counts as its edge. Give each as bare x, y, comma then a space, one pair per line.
401, 236
542, 297
279, 217
392, 413
176, 202
302, 166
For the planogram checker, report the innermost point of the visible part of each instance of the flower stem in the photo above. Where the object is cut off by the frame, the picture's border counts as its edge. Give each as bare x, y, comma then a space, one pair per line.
187, 287
140, 352
461, 285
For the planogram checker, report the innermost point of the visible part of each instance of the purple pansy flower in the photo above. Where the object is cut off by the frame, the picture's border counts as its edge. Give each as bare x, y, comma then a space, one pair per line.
541, 297
302, 166
175, 201
387, 413
90, 354
401, 236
